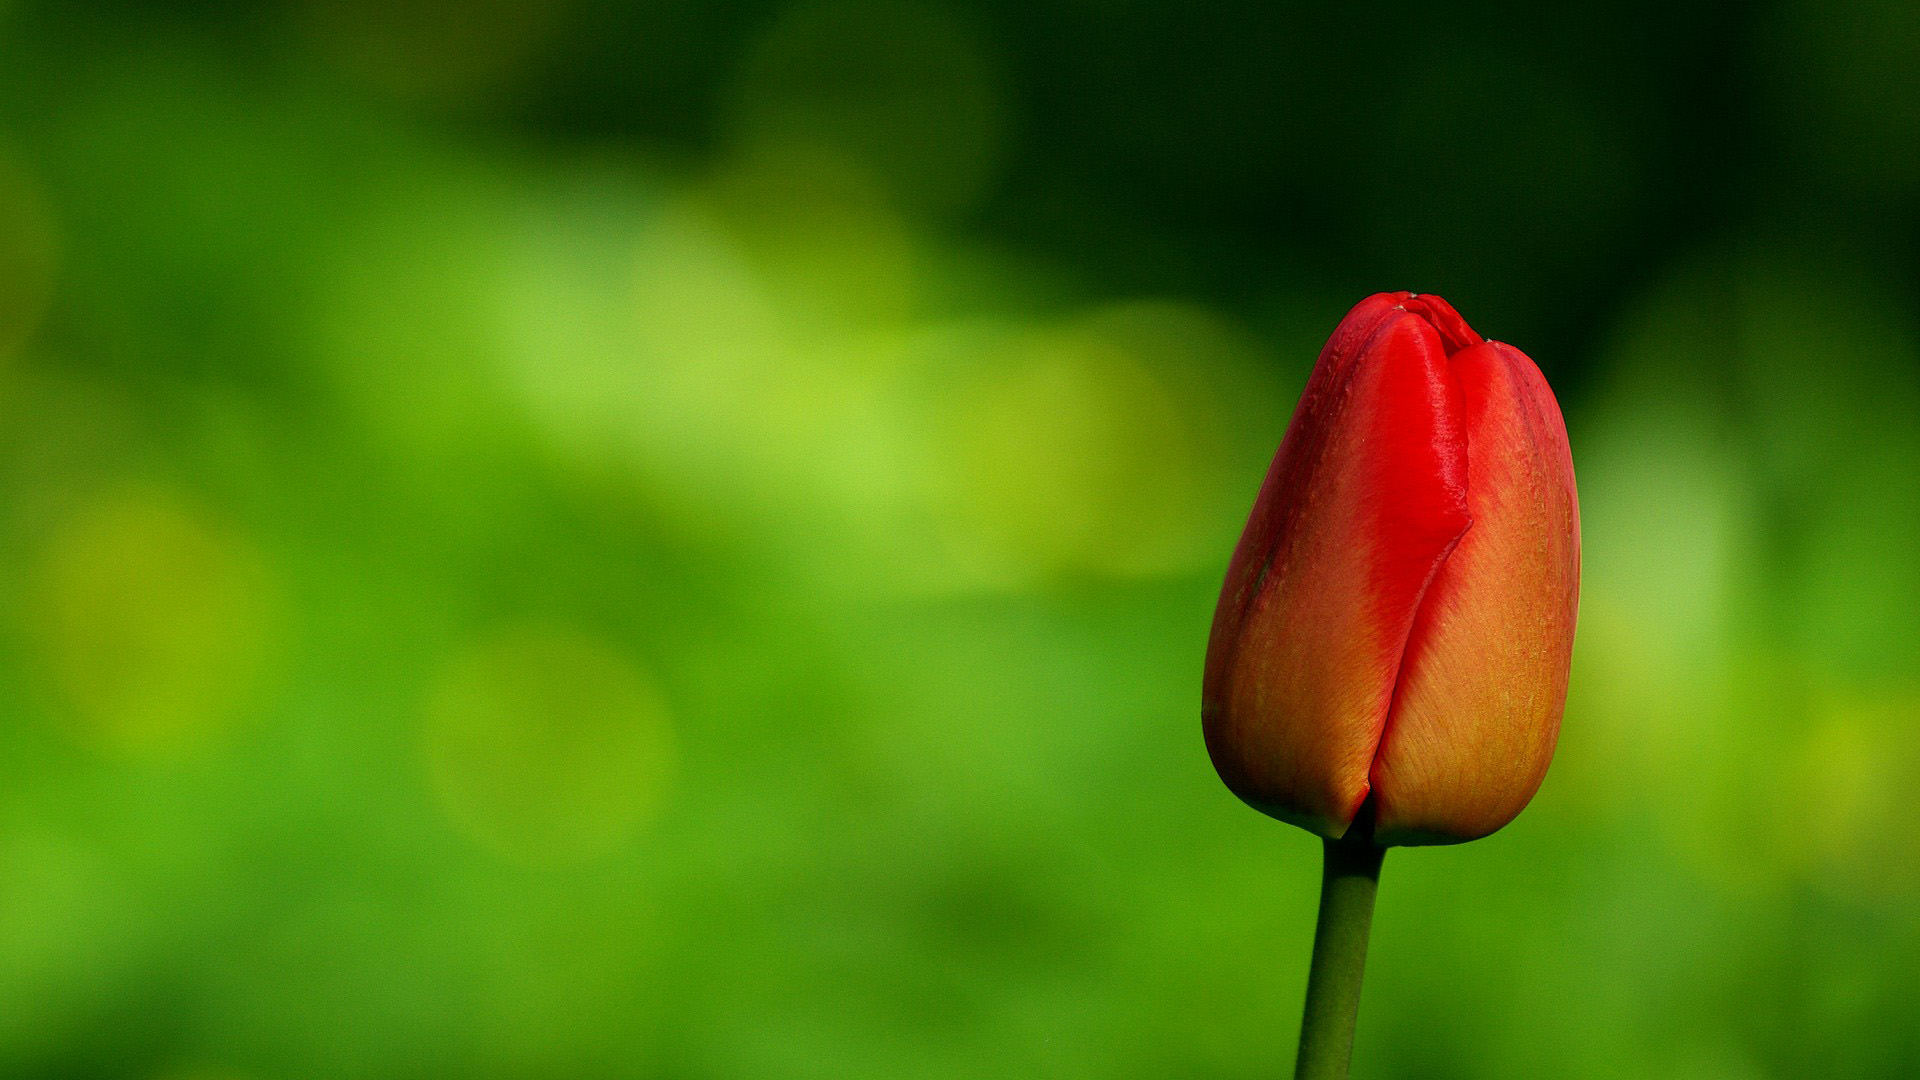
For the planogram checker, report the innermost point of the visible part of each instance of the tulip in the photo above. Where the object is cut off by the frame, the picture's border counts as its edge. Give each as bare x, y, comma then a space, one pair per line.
1388, 661
1398, 617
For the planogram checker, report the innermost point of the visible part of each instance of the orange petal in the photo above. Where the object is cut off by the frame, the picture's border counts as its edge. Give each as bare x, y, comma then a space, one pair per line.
1477, 713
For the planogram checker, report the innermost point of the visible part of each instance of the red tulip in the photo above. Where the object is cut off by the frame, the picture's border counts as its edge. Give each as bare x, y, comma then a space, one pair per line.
1397, 620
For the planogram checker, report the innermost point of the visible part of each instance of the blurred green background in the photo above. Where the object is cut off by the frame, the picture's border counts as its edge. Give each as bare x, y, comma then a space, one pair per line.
676, 539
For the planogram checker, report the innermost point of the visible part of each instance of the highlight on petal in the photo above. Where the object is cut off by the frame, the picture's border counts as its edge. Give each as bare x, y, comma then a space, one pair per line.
1363, 502
1477, 712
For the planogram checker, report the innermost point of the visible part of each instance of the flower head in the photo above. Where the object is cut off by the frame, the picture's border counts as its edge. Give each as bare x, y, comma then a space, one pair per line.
1397, 620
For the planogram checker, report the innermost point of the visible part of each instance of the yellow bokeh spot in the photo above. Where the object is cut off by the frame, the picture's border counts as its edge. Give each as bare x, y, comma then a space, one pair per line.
1841, 785
154, 621
546, 744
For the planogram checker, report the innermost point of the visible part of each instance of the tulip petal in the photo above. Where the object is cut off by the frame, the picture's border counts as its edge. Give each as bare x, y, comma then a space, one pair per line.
1477, 713
1453, 329
1363, 502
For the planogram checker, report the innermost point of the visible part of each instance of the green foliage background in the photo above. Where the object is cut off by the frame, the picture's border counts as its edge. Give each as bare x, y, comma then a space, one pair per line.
676, 539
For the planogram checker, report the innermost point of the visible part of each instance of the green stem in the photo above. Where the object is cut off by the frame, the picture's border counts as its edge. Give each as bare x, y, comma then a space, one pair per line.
1350, 877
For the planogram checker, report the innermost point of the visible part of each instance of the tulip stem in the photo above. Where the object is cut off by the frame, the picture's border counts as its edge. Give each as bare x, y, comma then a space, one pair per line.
1350, 877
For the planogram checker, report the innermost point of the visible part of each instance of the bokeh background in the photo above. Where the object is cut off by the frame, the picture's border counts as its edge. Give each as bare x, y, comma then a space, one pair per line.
675, 539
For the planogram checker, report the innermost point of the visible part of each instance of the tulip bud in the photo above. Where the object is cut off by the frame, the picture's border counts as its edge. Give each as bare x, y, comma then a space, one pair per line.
1397, 620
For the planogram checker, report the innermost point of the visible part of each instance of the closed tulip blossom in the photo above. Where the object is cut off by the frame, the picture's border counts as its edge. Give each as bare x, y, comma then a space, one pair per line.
1388, 661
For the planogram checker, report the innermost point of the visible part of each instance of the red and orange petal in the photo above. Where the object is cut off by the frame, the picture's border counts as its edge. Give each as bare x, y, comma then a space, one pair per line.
1477, 712
1365, 499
